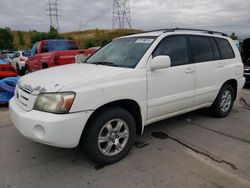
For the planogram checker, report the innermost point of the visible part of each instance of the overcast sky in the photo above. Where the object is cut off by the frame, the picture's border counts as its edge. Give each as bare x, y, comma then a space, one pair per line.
223, 15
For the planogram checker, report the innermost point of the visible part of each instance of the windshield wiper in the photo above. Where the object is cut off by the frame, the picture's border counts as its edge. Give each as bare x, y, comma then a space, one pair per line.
105, 63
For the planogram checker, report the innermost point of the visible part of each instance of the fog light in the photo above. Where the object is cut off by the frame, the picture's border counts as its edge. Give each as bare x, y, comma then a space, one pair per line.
39, 131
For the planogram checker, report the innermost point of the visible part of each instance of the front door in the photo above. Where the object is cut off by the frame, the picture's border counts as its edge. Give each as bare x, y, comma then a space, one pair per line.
171, 90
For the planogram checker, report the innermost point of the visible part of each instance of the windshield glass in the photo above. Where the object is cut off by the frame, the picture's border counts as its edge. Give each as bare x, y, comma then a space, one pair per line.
34, 50
125, 52
26, 53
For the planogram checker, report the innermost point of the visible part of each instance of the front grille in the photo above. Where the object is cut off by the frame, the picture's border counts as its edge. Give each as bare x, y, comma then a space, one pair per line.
23, 96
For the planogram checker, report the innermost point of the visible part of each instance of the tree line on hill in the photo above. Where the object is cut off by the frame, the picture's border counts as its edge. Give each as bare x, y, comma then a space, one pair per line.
99, 38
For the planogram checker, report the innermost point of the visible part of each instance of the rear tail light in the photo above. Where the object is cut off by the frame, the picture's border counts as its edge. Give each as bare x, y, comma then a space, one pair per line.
21, 59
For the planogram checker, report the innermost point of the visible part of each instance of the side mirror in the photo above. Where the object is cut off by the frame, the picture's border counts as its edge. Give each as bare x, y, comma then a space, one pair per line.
160, 62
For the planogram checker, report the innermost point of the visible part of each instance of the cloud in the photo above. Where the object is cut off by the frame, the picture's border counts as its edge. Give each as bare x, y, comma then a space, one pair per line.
224, 15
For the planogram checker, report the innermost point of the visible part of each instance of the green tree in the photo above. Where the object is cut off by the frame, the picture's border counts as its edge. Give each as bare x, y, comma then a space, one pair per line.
20, 37
233, 36
6, 39
89, 42
38, 36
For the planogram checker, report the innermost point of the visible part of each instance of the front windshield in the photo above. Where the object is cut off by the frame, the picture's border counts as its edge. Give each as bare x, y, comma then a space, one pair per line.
124, 52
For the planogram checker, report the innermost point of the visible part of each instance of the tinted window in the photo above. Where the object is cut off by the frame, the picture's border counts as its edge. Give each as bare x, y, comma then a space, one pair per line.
225, 48
26, 54
201, 48
176, 48
215, 49
59, 45
16, 55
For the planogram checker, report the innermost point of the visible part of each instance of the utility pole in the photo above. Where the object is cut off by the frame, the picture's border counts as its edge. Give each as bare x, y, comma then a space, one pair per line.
121, 14
53, 14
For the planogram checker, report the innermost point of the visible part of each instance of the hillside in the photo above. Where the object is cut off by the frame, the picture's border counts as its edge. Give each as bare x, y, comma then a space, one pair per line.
85, 39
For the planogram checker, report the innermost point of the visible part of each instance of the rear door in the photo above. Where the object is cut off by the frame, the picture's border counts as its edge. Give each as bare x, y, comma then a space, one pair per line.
171, 90
211, 68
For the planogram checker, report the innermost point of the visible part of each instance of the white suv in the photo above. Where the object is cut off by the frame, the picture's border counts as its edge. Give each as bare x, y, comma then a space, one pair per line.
129, 83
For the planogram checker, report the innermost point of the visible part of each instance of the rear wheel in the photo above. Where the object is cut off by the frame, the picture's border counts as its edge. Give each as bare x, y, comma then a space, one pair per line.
223, 104
110, 136
18, 69
45, 66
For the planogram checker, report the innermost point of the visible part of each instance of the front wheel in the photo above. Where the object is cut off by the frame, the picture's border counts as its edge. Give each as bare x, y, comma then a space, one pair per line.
110, 136
223, 104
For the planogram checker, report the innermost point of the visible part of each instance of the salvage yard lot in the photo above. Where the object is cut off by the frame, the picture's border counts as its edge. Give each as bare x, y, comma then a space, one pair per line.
192, 150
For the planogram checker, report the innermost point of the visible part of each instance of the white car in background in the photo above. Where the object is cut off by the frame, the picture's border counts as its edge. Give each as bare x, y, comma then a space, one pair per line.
18, 62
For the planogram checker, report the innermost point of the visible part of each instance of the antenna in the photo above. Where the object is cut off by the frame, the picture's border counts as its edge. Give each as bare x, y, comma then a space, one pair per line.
121, 14
53, 14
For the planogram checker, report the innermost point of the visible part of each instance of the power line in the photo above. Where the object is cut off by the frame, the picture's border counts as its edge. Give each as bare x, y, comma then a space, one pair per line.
53, 14
121, 14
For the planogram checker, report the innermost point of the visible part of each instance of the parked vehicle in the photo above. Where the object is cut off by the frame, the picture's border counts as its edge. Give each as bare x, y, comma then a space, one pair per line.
245, 53
7, 89
129, 83
18, 62
80, 58
6, 70
50, 53
8, 57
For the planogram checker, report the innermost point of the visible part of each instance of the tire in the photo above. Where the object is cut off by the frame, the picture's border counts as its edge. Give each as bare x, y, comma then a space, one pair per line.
45, 66
22, 71
104, 142
18, 69
222, 109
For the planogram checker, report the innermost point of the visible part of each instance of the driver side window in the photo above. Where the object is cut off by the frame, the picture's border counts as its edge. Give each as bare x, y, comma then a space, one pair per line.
176, 48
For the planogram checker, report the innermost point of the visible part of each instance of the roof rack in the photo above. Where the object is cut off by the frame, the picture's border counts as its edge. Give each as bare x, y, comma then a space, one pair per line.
188, 29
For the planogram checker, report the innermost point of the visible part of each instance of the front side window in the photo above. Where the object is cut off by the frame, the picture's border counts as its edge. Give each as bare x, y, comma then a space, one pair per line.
225, 48
124, 52
176, 48
201, 48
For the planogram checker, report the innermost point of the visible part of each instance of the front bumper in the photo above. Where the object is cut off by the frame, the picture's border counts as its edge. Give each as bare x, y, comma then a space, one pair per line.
62, 130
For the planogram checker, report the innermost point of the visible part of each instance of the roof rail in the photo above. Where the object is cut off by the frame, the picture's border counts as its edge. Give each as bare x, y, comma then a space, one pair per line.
187, 29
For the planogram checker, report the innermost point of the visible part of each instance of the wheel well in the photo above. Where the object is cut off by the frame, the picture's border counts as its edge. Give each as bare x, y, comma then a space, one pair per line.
45, 65
234, 84
130, 105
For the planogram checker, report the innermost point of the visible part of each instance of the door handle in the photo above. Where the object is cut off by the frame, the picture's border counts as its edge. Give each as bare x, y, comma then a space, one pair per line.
220, 65
189, 71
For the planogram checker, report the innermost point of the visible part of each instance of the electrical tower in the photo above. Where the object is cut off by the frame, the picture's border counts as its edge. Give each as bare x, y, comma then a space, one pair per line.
121, 14
53, 14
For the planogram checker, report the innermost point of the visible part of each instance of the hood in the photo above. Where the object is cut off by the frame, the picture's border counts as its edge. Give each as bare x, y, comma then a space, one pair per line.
54, 79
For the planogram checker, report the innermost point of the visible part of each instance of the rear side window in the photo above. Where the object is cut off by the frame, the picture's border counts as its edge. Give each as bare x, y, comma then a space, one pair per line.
176, 48
216, 49
225, 48
201, 48
60, 45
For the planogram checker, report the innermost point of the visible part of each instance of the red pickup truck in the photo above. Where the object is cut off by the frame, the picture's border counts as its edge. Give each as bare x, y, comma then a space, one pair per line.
50, 53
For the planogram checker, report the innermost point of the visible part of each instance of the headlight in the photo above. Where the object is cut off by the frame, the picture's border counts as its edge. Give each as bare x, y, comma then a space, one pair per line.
58, 103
